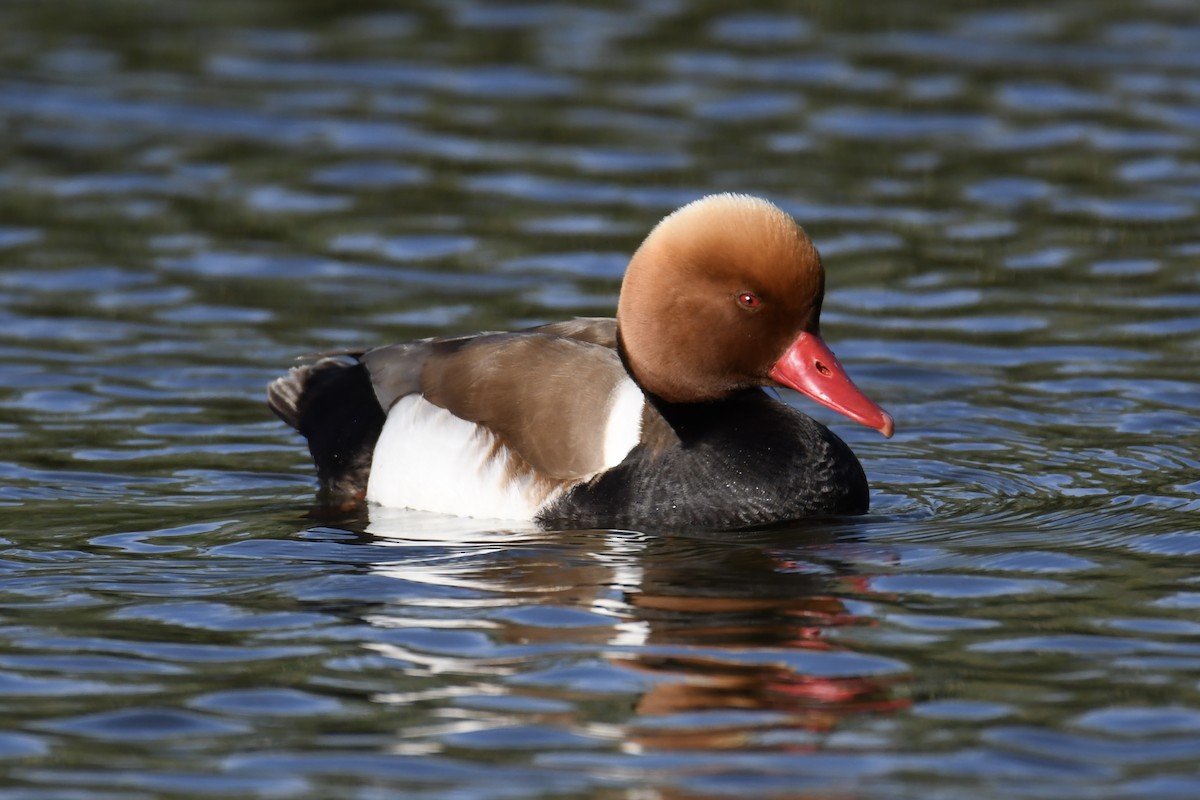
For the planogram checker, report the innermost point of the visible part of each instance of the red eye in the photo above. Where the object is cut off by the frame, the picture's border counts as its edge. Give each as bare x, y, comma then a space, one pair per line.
749, 300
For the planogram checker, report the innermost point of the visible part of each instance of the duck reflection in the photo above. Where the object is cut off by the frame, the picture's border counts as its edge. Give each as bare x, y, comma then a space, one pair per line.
739, 611
730, 624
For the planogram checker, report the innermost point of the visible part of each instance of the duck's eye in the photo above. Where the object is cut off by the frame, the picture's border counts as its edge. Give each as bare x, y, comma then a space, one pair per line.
749, 300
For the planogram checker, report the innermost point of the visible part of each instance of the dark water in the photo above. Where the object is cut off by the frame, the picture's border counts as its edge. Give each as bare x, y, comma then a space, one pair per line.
194, 193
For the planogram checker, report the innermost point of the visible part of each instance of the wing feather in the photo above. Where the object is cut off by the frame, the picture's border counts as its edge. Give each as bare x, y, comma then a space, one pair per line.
545, 392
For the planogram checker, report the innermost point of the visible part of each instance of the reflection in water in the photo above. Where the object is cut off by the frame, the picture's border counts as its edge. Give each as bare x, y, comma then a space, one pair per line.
744, 610
699, 627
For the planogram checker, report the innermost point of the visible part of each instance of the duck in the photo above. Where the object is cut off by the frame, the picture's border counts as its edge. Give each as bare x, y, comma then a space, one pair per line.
665, 416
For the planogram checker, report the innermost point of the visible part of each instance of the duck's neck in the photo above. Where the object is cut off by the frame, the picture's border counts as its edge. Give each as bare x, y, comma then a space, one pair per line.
689, 420
693, 422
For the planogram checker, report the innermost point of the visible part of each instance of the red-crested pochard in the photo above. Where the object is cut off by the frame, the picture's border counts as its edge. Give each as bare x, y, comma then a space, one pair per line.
655, 418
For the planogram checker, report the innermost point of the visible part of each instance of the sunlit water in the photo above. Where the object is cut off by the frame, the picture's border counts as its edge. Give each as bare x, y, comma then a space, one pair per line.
193, 194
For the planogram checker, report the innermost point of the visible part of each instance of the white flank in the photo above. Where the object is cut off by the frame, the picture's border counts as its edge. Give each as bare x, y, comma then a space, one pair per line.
430, 460
624, 427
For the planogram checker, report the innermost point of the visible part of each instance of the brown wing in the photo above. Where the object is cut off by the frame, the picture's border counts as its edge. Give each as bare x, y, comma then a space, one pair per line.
597, 330
545, 392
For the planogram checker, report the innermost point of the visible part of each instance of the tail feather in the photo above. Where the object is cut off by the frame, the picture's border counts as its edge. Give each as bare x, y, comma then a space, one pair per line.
333, 404
283, 395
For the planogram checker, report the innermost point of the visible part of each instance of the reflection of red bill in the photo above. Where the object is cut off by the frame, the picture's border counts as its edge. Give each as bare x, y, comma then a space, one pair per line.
863, 693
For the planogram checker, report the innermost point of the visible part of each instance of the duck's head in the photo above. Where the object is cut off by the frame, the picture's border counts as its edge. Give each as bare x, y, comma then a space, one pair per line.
725, 294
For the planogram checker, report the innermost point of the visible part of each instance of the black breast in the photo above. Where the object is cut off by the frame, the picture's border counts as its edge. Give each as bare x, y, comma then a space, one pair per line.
745, 461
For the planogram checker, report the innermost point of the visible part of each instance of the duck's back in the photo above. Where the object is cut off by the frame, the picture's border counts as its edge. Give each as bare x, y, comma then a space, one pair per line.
489, 425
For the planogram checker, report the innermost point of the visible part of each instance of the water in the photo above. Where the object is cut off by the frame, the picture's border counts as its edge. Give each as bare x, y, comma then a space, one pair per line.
192, 194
